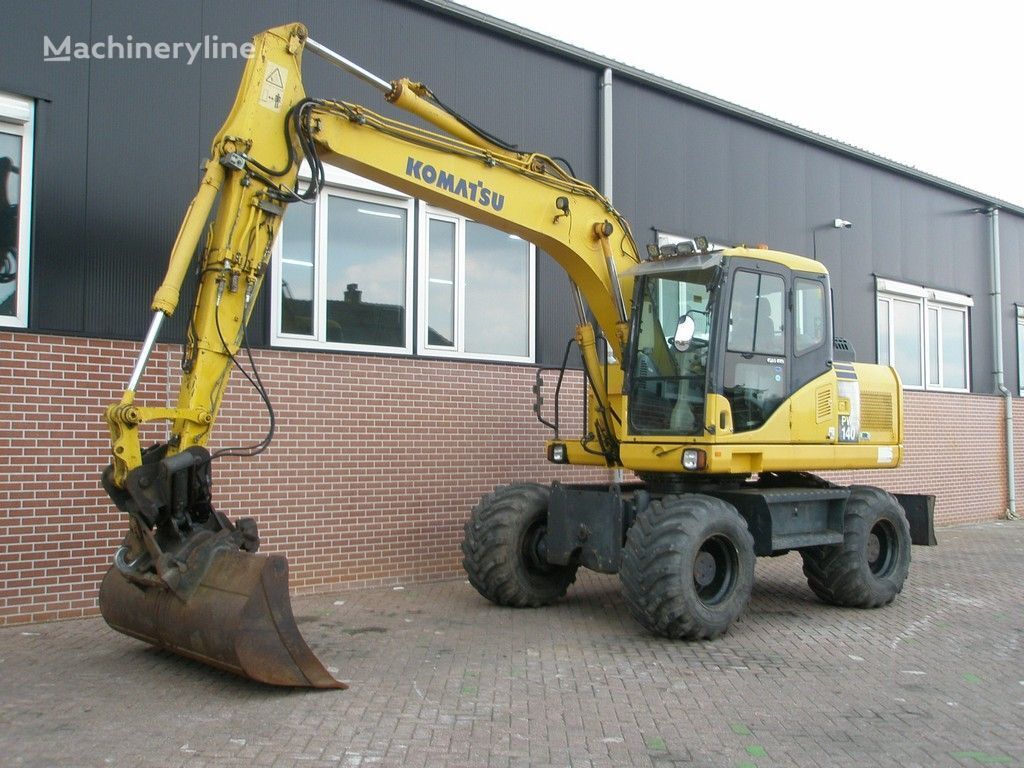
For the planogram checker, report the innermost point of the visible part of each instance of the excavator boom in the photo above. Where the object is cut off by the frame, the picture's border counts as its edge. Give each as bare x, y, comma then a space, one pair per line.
187, 577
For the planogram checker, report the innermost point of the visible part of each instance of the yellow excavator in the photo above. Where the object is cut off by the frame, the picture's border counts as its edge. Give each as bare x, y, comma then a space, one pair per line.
712, 376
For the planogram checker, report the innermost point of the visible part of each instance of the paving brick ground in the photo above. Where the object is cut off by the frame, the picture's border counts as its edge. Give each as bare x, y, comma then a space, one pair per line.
440, 677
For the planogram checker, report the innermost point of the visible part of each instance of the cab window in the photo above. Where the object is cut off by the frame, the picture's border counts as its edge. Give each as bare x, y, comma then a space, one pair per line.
808, 315
755, 375
755, 315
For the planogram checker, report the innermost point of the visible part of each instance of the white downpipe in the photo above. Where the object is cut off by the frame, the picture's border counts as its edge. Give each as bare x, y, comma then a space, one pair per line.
997, 315
607, 121
617, 476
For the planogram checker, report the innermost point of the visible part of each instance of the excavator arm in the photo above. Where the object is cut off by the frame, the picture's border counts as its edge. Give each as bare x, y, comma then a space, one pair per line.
187, 577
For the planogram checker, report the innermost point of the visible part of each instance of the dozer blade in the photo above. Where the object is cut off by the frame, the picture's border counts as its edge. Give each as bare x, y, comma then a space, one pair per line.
239, 618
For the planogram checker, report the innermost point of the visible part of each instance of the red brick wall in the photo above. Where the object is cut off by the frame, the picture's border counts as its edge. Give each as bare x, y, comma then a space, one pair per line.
954, 448
1018, 452
373, 470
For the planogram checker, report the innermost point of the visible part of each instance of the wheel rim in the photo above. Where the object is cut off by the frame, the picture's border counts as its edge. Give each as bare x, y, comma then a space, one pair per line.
881, 548
715, 569
533, 548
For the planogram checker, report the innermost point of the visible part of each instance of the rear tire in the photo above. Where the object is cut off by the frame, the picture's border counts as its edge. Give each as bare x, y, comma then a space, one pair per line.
500, 549
688, 567
868, 569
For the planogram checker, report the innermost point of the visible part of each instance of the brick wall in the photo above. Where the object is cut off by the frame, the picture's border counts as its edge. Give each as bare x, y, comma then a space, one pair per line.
373, 470
1018, 452
954, 448
372, 473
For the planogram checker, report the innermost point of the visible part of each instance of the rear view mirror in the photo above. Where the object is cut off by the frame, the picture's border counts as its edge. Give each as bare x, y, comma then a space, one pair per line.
684, 333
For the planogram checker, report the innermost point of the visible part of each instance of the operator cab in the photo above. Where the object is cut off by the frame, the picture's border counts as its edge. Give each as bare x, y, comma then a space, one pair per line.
751, 325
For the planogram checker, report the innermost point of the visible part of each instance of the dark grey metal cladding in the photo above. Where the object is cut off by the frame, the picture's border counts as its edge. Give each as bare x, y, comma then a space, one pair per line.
61, 93
120, 143
585, 525
115, 155
686, 168
789, 518
1011, 231
529, 97
144, 161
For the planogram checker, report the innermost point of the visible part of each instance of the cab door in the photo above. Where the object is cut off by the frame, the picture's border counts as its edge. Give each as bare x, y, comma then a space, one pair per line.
816, 413
755, 376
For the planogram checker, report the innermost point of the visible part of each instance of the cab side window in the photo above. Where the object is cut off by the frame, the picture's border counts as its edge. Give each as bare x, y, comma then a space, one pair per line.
808, 315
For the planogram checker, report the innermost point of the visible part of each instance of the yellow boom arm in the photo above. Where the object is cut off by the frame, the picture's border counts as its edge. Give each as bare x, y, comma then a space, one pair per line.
253, 168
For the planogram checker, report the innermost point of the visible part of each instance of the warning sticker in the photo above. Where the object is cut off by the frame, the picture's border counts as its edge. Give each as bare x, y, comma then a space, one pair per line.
272, 92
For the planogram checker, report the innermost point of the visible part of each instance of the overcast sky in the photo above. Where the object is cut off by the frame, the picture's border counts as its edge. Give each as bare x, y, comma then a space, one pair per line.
933, 85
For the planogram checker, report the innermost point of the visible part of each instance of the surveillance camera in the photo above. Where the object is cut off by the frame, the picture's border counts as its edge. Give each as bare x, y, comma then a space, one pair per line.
842, 224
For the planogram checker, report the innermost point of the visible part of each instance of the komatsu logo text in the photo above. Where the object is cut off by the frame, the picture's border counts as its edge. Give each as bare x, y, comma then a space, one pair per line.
474, 191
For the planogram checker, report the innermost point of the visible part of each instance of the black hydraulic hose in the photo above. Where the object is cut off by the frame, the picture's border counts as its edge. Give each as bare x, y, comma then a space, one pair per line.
257, 383
472, 126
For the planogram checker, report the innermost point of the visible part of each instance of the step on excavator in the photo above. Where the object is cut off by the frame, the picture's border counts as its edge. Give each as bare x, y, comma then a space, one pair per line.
712, 376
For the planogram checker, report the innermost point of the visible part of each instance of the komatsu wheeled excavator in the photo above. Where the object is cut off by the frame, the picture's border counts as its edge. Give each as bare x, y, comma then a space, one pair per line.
712, 378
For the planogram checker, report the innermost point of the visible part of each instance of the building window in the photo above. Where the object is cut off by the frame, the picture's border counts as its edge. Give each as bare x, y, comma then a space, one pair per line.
476, 286
924, 334
1020, 349
16, 123
344, 271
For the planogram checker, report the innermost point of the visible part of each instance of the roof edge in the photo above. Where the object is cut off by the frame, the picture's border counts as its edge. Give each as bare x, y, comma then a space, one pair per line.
700, 98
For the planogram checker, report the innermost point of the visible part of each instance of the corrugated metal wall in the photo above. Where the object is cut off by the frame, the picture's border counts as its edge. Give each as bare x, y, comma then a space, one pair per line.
120, 143
119, 146
683, 168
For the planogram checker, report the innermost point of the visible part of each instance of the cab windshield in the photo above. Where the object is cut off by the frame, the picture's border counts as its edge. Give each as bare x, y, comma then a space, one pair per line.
668, 380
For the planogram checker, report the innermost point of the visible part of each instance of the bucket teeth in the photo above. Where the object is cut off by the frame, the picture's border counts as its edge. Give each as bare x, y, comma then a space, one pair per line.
239, 618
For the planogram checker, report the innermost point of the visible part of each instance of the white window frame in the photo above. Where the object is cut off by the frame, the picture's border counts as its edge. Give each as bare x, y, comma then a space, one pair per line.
887, 291
1019, 310
17, 117
341, 183
428, 212
345, 184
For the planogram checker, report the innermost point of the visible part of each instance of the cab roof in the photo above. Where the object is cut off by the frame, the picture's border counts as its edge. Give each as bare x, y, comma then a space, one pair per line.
791, 260
707, 259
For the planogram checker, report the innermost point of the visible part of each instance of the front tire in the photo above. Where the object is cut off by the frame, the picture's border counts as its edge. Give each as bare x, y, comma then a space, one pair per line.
688, 567
502, 549
868, 569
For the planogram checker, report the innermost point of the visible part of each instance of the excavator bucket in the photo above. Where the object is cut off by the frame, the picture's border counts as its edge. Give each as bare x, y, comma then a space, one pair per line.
238, 618
188, 579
